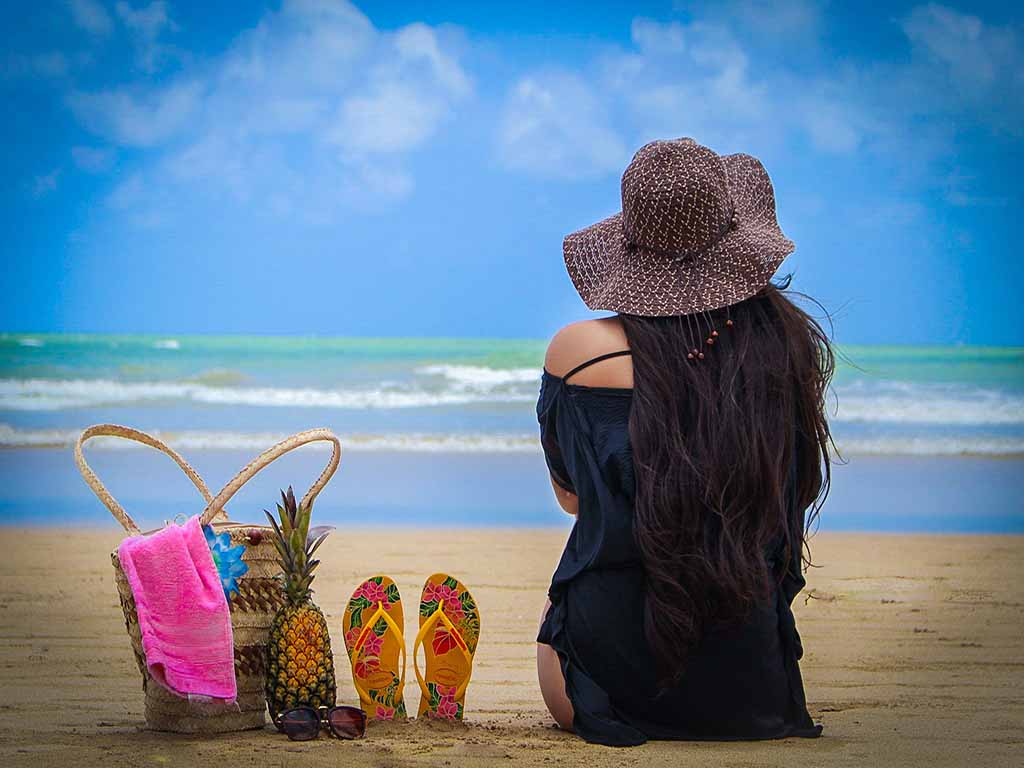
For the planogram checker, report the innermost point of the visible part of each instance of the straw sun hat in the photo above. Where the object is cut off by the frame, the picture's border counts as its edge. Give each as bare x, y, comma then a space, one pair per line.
697, 232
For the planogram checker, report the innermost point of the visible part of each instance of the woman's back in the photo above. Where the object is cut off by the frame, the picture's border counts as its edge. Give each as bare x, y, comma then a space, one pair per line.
741, 679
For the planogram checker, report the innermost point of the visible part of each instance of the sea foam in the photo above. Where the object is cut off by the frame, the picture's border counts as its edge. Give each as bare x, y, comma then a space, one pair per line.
887, 403
481, 377
55, 395
491, 443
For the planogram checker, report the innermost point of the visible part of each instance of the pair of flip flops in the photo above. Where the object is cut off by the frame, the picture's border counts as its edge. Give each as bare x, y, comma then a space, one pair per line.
449, 628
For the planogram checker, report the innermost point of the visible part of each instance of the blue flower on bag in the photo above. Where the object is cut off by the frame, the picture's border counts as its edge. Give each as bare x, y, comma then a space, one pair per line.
228, 560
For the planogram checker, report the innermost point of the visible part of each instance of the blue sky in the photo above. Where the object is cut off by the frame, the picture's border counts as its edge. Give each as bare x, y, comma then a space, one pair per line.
411, 168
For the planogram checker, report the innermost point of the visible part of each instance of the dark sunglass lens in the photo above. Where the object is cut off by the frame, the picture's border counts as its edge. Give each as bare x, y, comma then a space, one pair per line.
300, 724
347, 722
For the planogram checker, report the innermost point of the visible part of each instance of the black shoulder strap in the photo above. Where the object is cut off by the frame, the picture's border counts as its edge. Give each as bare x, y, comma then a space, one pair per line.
598, 359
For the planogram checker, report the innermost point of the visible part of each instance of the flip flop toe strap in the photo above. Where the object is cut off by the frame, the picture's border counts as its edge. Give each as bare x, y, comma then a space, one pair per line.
380, 613
427, 627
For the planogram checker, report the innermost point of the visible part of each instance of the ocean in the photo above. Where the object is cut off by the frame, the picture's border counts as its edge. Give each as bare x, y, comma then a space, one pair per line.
431, 406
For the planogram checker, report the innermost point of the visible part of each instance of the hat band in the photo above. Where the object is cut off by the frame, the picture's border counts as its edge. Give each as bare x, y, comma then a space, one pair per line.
685, 257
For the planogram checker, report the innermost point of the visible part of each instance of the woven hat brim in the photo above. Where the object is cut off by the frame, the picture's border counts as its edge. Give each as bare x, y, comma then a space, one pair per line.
609, 274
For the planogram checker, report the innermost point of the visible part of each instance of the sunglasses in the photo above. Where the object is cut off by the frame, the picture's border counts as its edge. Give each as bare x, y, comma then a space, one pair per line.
304, 723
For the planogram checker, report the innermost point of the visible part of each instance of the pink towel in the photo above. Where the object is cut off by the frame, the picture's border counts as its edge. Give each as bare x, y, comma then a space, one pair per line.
183, 613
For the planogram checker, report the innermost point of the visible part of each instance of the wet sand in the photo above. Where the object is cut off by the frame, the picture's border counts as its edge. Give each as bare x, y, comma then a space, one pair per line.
915, 656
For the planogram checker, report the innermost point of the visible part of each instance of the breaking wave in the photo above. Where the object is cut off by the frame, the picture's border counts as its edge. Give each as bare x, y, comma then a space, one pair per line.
11, 437
448, 385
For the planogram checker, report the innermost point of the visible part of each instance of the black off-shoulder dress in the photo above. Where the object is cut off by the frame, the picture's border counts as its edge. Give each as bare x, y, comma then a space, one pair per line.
742, 682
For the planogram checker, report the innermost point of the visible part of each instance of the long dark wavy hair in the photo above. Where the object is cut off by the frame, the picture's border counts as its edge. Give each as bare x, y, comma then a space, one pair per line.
713, 440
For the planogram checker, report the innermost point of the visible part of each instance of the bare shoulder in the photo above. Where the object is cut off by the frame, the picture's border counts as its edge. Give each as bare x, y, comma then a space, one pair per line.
578, 342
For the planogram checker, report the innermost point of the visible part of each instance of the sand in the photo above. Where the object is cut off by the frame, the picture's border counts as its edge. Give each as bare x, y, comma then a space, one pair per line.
915, 656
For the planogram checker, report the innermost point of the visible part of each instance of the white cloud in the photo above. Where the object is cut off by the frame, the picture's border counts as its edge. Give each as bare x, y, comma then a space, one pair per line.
368, 182
148, 20
554, 125
93, 159
831, 110
830, 128
306, 48
718, 79
962, 57
778, 20
146, 24
127, 193
311, 109
691, 80
694, 79
52, 64
45, 184
409, 92
133, 200
698, 79
289, 115
394, 118
138, 117
91, 16
49, 64
656, 38
953, 38
417, 43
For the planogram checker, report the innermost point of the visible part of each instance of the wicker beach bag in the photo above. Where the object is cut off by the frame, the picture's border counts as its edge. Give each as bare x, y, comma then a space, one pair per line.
252, 607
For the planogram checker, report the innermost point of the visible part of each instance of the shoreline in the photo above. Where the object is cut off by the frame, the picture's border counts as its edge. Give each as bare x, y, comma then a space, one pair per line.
111, 528
444, 490
483, 443
535, 451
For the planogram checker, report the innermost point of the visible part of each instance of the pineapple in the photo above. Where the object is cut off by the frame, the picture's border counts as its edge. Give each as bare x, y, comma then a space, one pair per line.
300, 665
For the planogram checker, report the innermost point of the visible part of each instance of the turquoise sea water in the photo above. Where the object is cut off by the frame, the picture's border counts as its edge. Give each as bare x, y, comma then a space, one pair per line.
448, 394
942, 426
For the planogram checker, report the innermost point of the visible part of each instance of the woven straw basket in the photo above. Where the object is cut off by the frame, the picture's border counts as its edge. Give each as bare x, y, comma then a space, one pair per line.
252, 607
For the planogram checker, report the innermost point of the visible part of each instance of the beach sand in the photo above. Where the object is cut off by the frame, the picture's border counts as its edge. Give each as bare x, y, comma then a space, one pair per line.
915, 656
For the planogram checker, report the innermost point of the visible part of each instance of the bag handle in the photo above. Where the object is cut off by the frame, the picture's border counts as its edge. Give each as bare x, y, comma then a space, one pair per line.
216, 505
127, 433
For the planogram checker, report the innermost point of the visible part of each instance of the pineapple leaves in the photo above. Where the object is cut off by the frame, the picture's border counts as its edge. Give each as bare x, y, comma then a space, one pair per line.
273, 522
303, 515
319, 532
289, 501
286, 520
295, 544
279, 541
316, 545
316, 537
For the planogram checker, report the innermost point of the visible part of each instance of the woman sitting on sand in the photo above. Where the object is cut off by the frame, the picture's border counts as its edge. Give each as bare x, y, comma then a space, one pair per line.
687, 434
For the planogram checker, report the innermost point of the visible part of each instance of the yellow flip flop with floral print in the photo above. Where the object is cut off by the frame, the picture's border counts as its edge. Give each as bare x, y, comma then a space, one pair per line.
449, 632
373, 625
